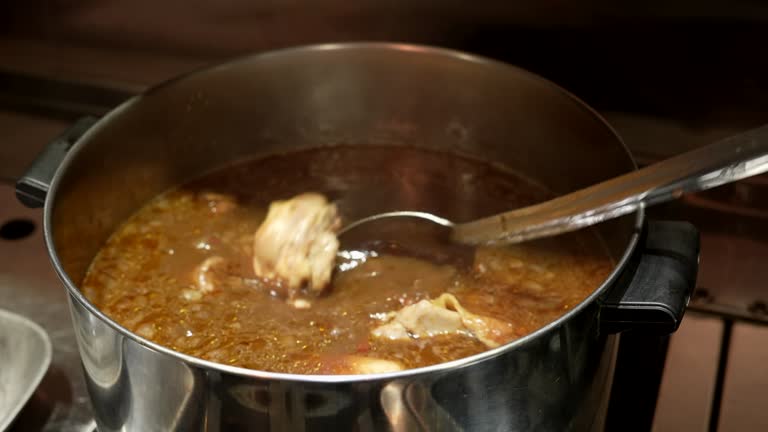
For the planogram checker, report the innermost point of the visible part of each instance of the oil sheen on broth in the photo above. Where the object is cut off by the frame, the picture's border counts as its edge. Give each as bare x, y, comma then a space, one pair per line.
147, 276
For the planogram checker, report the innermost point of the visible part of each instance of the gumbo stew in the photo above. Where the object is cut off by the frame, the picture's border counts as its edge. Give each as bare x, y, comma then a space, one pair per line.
199, 268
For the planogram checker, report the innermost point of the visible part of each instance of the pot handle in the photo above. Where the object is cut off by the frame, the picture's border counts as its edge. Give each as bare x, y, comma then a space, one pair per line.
652, 293
32, 187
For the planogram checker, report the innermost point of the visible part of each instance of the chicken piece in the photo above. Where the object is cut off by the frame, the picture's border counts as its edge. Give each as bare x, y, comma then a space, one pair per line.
355, 365
422, 319
213, 274
296, 245
443, 315
205, 274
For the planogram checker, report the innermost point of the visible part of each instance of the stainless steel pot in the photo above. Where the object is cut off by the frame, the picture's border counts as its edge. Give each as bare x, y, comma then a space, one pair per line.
554, 379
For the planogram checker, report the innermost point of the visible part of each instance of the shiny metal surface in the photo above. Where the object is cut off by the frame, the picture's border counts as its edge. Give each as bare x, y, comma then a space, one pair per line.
397, 214
558, 382
25, 353
554, 379
726, 161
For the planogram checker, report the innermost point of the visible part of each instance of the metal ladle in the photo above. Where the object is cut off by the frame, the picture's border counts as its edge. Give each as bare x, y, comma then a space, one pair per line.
725, 161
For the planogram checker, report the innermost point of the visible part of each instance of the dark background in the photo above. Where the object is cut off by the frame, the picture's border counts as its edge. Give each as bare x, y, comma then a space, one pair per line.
697, 61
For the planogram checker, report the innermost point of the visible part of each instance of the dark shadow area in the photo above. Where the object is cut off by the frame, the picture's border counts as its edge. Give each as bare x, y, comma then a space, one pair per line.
53, 390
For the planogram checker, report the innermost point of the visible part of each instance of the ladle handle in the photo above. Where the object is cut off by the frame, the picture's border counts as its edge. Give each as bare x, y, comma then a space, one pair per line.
723, 162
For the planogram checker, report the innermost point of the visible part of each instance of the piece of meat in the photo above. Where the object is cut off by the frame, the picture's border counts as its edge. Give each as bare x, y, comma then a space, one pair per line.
211, 275
422, 319
205, 274
295, 247
443, 315
355, 364
205, 277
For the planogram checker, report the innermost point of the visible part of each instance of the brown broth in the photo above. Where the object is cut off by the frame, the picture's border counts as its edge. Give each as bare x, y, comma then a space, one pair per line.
140, 275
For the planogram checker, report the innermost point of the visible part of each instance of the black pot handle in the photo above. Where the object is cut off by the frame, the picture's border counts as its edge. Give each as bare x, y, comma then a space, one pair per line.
653, 291
32, 187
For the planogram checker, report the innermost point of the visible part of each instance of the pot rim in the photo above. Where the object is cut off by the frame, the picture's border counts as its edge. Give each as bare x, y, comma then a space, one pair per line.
78, 296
